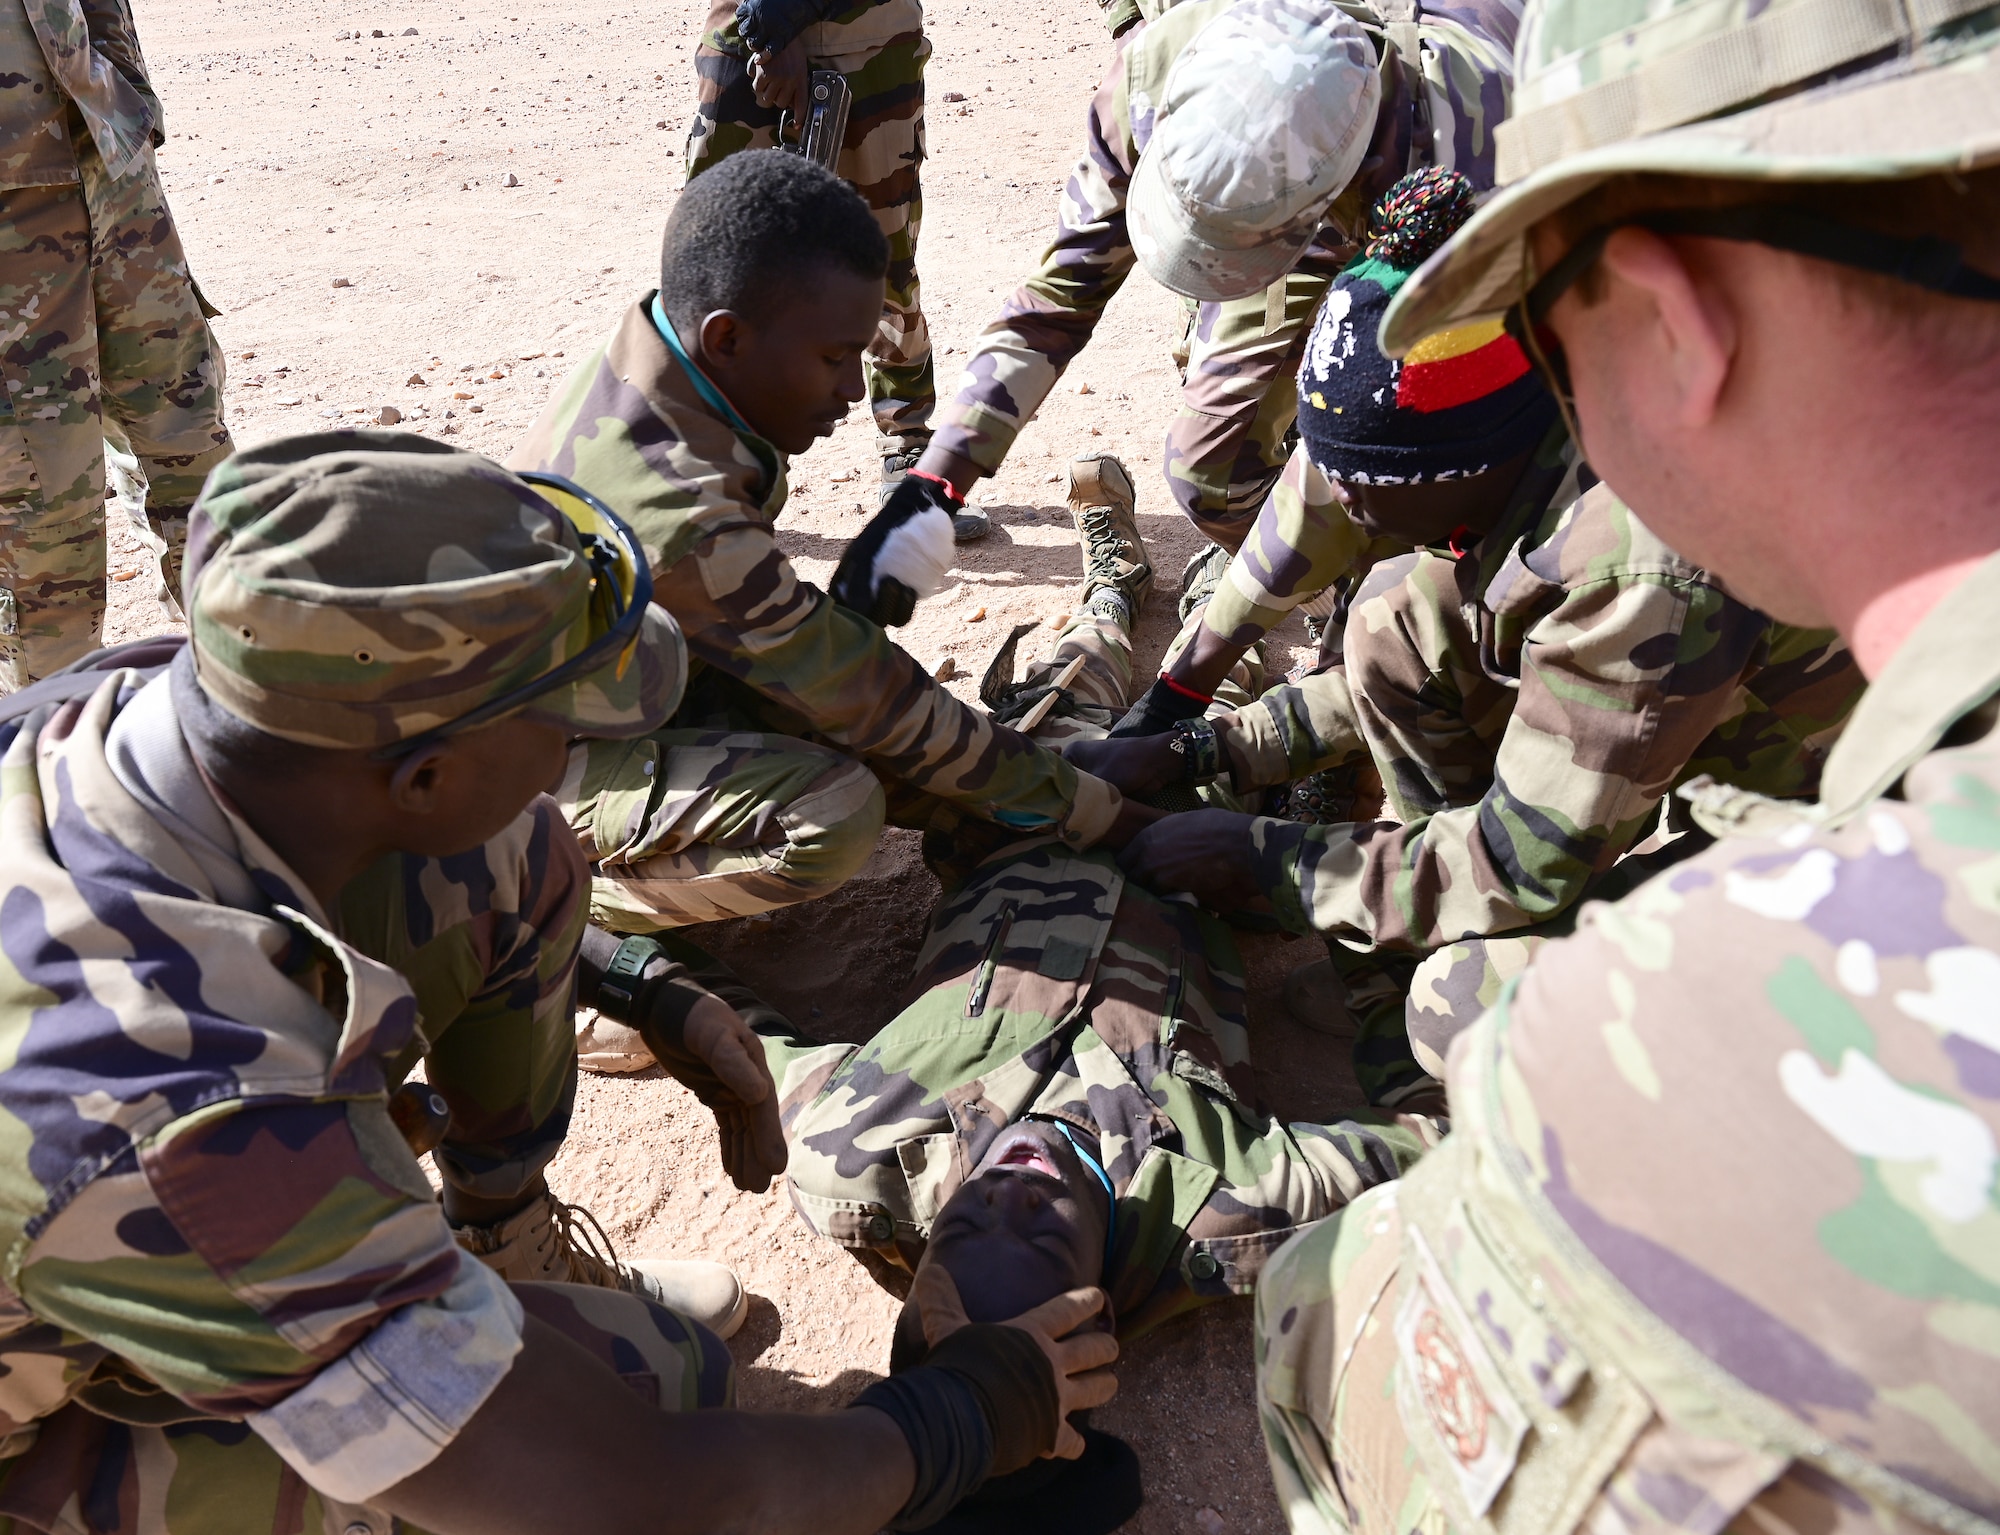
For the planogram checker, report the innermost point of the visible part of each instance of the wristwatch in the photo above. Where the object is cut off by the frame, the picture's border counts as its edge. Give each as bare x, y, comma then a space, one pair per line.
1200, 752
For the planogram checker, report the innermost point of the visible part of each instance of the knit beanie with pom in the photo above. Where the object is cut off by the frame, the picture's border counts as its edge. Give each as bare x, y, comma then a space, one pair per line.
1462, 401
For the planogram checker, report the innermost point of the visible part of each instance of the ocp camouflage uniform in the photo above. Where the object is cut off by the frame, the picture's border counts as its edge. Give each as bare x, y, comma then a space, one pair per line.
880, 47
1227, 446
231, 1301
1049, 987
729, 811
1711, 1243
1528, 706
98, 317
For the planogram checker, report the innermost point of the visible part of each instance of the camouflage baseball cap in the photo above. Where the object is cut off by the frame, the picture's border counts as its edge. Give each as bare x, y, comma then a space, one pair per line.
1791, 90
361, 589
1265, 118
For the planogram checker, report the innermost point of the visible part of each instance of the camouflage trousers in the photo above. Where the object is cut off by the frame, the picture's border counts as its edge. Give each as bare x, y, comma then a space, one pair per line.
882, 159
103, 336
210, 1476
1229, 442
688, 826
1050, 987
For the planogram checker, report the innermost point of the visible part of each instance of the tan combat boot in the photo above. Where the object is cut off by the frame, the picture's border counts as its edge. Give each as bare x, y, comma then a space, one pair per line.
551, 1241
1105, 507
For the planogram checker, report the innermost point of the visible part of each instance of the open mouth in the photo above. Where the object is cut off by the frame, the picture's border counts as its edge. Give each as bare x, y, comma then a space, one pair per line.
1027, 1150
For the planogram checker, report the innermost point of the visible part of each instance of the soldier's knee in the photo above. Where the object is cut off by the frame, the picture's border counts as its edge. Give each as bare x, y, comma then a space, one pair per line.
666, 1359
832, 828
1454, 986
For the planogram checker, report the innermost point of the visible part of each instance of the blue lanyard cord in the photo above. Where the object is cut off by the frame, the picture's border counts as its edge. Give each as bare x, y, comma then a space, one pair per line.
1110, 1194
703, 384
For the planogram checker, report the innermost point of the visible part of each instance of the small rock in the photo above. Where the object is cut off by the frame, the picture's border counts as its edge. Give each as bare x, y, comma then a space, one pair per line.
248, 355
449, 414
842, 477
1209, 1522
388, 415
954, 95
290, 399
510, 180
125, 575
946, 670
451, 428
1084, 389
477, 409
978, 615
496, 373
378, 32
342, 282
341, 37
555, 354
461, 395
409, 31
661, 123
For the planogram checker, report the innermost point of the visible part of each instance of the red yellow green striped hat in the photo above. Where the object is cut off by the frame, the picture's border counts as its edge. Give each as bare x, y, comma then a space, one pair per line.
1460, 402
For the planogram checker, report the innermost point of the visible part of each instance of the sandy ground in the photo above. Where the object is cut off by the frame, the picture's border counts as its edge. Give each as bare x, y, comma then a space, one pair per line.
367, 249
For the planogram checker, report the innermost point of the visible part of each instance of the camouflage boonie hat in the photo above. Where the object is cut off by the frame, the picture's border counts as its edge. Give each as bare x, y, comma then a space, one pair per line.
1791, 90
1265, 118
356, 589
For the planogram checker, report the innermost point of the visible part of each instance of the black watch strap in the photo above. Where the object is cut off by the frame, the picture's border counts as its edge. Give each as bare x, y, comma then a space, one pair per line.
625, 976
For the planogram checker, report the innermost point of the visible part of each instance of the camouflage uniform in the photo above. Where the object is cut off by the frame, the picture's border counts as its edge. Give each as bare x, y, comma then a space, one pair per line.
231, 1301
1227, 446
880, 47
728, 812
1594, 1312
1528, 707
1051, 988
102, 320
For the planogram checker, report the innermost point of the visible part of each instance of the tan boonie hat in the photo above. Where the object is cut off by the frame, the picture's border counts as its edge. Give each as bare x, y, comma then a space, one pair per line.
1850, 90
1265, 117
362, 589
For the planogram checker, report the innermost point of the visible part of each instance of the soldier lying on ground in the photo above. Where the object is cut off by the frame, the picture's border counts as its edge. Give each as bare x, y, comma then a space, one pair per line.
1067, 1101
242, 900
1530, 684
1363, 93
1713, 1243
769, 786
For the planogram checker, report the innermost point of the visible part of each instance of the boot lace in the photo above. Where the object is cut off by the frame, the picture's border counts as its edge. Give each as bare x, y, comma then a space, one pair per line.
1103, 545
586, 1247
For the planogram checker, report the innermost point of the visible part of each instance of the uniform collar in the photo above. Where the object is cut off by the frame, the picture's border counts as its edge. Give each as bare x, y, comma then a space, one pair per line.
706, 387
1949, 665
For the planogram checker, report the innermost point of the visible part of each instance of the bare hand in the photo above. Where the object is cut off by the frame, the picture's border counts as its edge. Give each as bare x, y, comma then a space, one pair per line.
1081, 1359
779, 80
1139, 765
1211, 854
746, 1104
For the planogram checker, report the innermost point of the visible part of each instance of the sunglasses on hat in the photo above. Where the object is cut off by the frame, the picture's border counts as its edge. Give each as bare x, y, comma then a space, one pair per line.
621, 589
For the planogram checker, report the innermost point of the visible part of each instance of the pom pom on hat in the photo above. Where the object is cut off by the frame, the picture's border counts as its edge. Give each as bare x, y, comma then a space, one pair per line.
1461, 402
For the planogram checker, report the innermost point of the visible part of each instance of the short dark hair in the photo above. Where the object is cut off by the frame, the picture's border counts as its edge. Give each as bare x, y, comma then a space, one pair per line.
759, 220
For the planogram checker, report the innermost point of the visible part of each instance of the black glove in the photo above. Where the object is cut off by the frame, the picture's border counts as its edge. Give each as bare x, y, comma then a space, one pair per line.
772, 24
1157, 710
983, 1403
901, 556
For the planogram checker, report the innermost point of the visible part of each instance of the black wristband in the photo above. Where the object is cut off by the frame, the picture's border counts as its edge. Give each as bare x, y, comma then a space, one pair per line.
943, 1416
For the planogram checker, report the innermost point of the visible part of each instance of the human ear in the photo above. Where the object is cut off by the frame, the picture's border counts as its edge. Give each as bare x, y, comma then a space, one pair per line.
721, 335
1693, 339
415, 786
